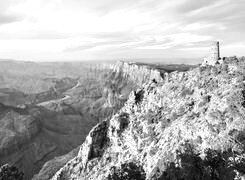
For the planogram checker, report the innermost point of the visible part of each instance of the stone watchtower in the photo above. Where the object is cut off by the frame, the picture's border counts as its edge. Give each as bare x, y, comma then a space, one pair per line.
214, 55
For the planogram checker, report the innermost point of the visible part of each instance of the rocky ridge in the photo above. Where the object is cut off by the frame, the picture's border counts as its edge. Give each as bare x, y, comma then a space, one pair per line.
172, 125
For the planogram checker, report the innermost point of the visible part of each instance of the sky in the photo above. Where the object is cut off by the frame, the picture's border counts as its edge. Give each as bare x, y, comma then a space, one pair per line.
59, 30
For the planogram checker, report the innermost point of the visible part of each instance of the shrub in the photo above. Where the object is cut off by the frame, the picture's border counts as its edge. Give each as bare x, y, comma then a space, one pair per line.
8, 172
215, 166
128, 171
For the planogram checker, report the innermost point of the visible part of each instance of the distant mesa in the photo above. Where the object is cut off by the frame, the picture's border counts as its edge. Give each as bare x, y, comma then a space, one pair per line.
214, 56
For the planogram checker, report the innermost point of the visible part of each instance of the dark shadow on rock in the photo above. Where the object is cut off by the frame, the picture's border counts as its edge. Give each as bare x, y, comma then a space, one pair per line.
128, 171
99, 140
139, 96
8, 172
216, 165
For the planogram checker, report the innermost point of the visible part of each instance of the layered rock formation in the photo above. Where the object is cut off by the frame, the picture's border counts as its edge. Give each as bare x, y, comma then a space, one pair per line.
29, 137
188, 126
139, 73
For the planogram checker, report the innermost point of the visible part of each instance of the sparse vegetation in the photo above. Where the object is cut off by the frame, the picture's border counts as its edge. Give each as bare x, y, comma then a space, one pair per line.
8, 172
216, 165
127, 171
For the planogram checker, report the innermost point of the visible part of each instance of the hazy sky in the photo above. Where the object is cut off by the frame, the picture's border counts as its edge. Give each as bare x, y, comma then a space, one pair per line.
116, 29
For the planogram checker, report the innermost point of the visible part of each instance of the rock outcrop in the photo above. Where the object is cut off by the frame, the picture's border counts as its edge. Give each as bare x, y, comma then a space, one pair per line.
188, 126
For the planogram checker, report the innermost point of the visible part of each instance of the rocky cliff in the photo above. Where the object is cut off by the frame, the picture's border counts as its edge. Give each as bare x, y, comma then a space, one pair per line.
125, 77
98, 97
190, 125
139, 73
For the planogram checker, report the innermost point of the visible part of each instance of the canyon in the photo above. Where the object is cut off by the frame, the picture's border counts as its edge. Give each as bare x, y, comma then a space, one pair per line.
48, 109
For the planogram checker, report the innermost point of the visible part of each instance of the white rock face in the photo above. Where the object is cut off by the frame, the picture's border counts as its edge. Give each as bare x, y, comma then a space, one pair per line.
139, 73
203, 108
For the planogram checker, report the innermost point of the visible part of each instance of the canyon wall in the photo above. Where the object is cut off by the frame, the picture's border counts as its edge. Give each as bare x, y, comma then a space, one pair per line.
139, 73
98, 98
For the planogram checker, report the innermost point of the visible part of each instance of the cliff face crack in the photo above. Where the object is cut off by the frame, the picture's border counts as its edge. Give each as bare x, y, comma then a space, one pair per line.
138, 96
243, 94
124, 122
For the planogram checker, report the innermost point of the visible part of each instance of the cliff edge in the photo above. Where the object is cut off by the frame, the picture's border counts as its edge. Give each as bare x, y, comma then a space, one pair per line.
191, 125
